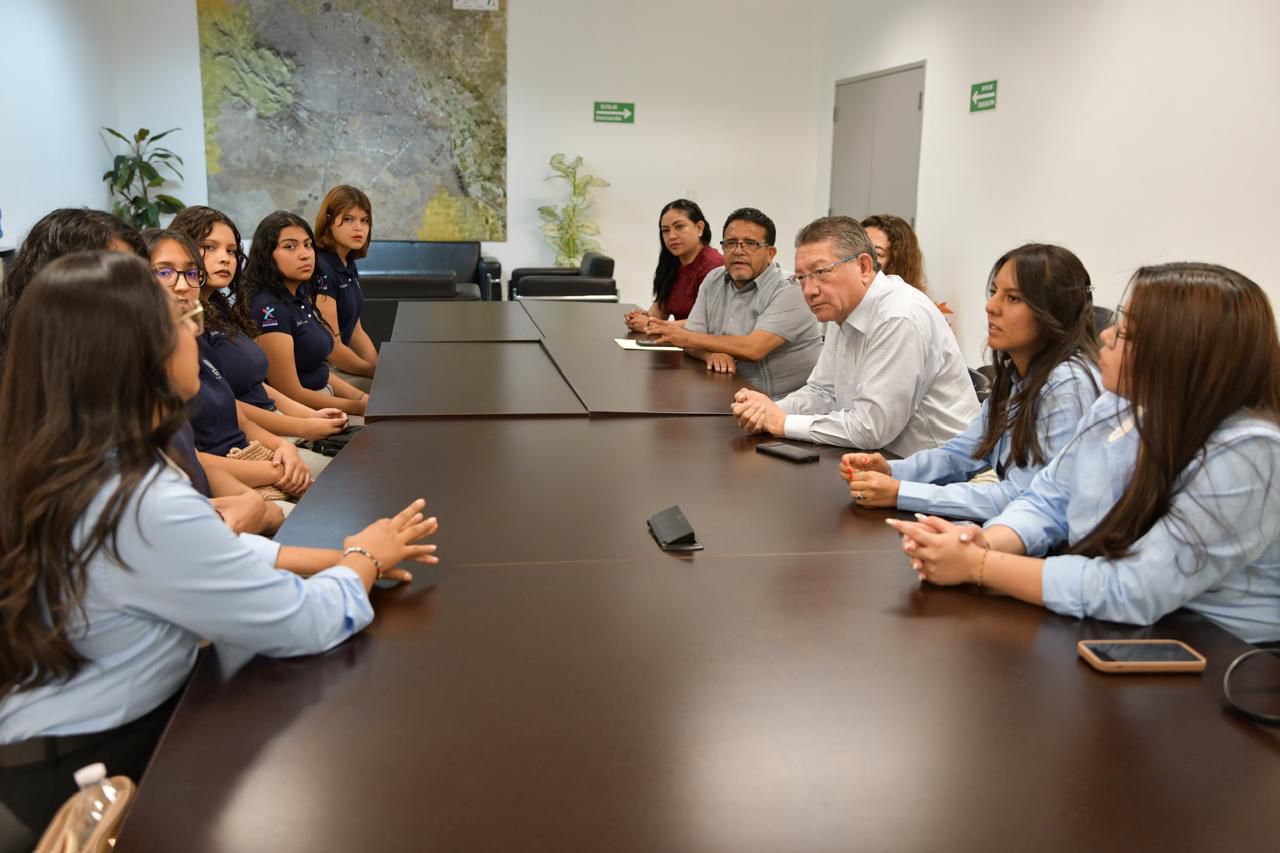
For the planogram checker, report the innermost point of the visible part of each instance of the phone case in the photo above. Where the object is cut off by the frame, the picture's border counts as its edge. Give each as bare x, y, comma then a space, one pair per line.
787, 451
1124, 667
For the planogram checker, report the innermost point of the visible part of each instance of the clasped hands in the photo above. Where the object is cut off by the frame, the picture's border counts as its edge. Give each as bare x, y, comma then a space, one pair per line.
757, 413
941, 551
870, 483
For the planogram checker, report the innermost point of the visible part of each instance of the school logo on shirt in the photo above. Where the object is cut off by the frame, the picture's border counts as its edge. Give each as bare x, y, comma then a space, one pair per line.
212, 369
269, 317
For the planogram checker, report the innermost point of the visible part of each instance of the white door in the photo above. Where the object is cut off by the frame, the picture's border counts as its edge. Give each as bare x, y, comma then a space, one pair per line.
875, 152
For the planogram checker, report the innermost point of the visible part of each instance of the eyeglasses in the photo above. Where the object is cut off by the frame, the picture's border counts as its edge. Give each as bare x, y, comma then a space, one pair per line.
168, 276
749, 245
195, 317
1116, 334
819, 274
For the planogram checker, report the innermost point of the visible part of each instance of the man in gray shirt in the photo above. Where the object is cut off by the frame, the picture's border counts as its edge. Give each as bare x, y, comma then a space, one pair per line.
747, 319
890, 375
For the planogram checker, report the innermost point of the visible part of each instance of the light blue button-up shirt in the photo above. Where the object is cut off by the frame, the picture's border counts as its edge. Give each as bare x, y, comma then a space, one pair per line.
187, 577
1216, 552
935, 481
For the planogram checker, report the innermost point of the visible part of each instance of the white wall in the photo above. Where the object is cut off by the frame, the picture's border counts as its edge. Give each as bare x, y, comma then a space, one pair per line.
1130, 131
726, 95
53, 101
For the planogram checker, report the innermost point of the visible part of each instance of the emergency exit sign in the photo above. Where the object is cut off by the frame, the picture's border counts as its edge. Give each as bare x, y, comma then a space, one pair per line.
982, 96
615, 112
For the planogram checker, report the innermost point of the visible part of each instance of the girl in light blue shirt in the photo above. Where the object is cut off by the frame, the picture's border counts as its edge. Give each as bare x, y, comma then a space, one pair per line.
1167, 496
1043, 348
112, 567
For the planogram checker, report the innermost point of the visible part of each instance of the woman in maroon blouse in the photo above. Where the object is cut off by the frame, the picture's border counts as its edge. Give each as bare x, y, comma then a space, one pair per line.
683, 261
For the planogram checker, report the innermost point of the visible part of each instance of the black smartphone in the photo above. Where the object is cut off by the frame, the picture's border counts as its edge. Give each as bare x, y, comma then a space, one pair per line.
787, 451
648, 343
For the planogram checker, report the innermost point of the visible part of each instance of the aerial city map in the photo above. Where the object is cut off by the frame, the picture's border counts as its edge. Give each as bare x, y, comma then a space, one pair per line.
406, 99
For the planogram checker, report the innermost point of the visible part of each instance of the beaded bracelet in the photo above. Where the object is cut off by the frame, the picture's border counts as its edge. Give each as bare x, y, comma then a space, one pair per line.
377, 564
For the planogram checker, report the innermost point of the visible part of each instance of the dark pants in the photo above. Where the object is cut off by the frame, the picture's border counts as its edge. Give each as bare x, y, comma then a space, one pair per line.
34, 792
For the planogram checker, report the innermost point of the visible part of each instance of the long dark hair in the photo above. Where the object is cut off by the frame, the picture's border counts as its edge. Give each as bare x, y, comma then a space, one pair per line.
58, 233
905, 259
1056, 287
99, 332
1200, 345
261, 272
664, 276
228, 316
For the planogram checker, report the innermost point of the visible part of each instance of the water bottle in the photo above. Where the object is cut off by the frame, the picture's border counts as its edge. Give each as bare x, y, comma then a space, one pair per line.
91, 805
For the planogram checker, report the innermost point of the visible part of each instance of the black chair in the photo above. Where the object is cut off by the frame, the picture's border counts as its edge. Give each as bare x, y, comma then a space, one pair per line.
591, 282
981, 384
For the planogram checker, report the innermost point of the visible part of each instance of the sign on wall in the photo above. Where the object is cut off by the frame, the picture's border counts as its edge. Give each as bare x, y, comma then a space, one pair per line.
615, 112
405, 99
982, 96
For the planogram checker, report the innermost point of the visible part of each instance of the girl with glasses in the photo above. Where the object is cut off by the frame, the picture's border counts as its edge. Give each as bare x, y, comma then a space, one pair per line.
685, 256
1040, 331
1166, 497
227, 440
112, 568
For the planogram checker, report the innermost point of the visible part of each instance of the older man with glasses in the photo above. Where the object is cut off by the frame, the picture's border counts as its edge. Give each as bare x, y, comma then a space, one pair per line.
746, 320
890, 375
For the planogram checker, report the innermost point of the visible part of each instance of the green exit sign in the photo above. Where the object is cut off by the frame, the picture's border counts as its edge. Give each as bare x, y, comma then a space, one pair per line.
982, 96
615, 112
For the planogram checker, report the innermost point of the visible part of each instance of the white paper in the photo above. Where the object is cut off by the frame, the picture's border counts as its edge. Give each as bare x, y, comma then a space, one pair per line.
633, 343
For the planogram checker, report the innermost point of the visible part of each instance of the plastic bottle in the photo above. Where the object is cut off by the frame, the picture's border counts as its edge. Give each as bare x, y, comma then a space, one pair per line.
95, 798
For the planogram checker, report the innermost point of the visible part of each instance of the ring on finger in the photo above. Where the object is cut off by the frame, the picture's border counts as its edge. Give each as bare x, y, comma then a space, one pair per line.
858, 496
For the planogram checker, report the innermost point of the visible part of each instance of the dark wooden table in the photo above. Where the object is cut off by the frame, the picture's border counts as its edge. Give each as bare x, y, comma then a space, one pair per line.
611, 380
463, 321
578, 319
559, 489
417, 380
560, 684
763, 703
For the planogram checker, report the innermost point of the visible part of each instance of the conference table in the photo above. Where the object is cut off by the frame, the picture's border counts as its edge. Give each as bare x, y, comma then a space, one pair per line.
559, 683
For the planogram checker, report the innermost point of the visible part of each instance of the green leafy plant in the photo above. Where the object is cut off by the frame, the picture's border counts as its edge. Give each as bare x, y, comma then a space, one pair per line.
567, 230
134, 175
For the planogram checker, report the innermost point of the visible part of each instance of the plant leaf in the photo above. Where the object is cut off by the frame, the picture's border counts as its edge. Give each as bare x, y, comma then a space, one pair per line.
576, 164
551, 229
589, 228
152, 214
149, 172
142, 134
168, 204
599, 182
557, 159
118, 135
548, 212
165, 133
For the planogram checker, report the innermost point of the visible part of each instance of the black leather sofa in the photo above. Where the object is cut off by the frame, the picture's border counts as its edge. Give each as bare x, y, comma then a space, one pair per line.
593, 281
398, 271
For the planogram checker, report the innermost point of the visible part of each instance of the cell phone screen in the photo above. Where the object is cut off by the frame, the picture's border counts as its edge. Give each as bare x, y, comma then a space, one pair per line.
1141, 652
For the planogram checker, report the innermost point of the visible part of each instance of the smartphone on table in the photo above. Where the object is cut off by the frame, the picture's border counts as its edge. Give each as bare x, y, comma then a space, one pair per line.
787, 451
1124, 656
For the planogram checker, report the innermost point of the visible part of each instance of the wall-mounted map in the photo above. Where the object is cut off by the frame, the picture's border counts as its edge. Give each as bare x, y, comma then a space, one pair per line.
406, 99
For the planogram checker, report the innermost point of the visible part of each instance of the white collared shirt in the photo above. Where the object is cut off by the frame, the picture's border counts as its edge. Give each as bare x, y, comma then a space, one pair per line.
889, 377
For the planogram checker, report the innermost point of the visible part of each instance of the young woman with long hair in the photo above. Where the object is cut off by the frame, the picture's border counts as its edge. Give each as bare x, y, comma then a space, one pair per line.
68, 230
224, 436
344, 227
112, 568
897, 248
279, 287
685, 257
1043, 348
1167, 496
229, 330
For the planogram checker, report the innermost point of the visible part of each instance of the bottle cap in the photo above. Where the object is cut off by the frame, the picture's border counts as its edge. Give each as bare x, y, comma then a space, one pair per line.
91, 774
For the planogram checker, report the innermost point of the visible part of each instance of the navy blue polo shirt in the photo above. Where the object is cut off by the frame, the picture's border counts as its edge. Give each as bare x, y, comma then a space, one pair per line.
243, 365
296, 317
213, 410
341, 283
183, 446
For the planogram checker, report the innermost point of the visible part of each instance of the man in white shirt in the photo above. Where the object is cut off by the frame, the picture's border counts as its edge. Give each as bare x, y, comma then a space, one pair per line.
890, 375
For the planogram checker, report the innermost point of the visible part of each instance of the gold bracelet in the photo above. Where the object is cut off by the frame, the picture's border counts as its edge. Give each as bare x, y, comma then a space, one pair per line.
377, 564
982, 565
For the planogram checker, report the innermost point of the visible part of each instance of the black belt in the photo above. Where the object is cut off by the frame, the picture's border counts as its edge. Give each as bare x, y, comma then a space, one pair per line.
39, 749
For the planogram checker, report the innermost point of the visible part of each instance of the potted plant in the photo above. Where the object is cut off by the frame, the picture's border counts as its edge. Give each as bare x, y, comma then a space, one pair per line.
567, 230
134, 175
